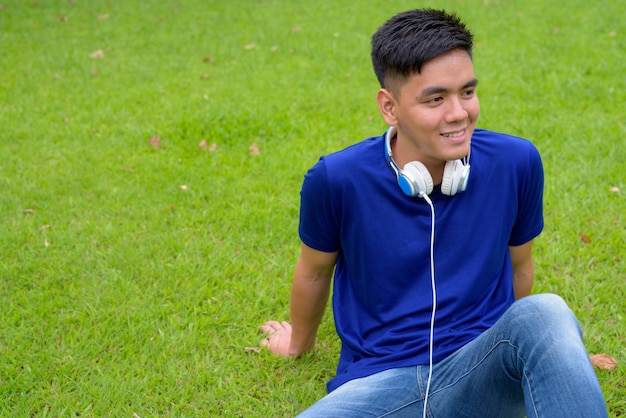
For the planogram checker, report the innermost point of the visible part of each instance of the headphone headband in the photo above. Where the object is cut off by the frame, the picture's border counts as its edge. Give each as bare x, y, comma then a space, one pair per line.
388, 154
415, 180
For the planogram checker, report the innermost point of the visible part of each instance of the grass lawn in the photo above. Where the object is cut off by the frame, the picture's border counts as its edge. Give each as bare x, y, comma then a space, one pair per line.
137, 261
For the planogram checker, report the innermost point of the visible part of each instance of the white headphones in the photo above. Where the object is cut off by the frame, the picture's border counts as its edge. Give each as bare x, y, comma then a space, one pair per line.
415, 180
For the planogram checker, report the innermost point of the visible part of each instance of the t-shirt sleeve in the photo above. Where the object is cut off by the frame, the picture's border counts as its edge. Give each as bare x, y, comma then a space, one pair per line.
319, 221
529, 222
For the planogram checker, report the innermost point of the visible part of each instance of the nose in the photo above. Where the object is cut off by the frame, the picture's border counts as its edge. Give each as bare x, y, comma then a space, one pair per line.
456, 110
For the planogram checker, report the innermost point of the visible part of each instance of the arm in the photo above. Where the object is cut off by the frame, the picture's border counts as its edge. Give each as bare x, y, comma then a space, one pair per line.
523, 269
309, 294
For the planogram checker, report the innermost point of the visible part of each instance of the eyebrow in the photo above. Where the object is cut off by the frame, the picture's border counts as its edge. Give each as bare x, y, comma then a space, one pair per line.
429, 91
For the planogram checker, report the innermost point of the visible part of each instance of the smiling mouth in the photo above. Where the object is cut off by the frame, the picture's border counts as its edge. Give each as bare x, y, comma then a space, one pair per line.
454, 134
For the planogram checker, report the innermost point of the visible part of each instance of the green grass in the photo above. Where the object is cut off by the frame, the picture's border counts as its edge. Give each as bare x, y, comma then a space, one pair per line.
124, 293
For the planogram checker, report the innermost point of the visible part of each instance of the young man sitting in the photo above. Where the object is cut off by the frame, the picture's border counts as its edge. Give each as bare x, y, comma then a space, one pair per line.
428, 231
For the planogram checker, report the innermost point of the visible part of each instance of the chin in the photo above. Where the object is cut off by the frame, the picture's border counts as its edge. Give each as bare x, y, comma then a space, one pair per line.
460, 153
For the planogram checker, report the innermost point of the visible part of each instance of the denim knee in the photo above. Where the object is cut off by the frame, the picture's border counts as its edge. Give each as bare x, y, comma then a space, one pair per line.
546, 302
547, 311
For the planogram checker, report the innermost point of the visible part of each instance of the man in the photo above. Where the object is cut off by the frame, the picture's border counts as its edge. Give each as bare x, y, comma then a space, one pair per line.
428, 230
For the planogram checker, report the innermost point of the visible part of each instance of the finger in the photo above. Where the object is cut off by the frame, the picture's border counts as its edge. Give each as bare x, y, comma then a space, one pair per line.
270, 326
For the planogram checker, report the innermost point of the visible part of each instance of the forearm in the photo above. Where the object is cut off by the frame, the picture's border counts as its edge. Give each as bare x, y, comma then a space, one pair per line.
523, 284
523, 269
309, 296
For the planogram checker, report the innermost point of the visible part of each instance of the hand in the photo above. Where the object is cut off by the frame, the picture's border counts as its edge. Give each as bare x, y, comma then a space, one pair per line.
278, 337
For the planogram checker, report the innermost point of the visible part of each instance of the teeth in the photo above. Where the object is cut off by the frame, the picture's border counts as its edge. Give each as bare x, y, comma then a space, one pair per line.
454, 134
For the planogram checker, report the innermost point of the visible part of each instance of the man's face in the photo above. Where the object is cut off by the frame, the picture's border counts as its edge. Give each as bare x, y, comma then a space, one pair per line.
435, 112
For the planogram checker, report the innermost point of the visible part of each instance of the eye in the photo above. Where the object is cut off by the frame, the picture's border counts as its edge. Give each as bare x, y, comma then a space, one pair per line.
469, 93
434, 100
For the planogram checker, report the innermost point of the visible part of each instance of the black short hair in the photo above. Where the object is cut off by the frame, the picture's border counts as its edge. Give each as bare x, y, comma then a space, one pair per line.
403, 44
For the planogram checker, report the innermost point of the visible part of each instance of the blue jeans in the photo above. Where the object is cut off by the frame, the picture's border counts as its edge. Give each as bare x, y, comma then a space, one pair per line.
532, 362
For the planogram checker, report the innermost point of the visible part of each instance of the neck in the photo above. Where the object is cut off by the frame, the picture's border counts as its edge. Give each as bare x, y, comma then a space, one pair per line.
402, 156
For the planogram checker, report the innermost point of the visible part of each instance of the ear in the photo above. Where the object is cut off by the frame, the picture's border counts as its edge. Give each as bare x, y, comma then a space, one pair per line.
387, 105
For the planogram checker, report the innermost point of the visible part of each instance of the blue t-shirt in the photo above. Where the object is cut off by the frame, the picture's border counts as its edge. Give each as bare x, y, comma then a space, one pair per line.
382, 297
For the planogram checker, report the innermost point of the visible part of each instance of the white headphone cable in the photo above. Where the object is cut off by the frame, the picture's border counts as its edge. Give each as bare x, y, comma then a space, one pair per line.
434, 291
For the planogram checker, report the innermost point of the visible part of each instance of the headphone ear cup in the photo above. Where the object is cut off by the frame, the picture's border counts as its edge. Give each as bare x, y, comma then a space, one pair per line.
455, 177
415, 179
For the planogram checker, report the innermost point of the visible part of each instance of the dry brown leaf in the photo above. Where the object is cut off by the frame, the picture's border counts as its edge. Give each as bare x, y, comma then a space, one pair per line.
28, 211
584, 238
103, 16
97, 54
254, 150
603, 361
250, 46
155, 142
252, 349
208, 59
43, 228
204, 145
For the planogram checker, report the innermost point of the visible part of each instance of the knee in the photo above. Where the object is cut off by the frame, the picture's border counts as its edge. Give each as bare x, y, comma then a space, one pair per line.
546, 302
548, 311
547, 328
